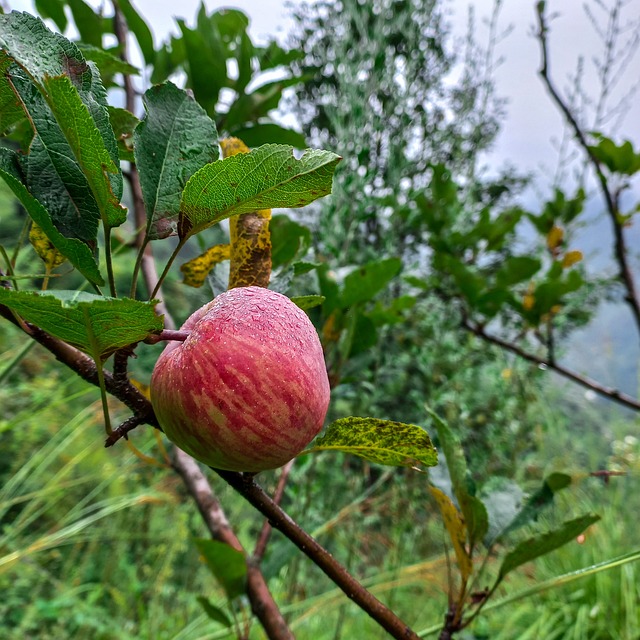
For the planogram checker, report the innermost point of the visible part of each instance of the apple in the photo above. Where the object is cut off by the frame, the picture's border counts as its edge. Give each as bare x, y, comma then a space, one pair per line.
248, 389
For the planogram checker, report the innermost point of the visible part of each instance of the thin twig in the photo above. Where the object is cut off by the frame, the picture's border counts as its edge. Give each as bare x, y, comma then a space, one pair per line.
265, 533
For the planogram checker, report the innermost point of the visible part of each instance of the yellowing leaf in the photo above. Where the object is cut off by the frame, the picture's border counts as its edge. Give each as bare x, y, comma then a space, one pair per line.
195, 271
571, 258
456, 528
250, 237
555, 237
51, 257
528, 301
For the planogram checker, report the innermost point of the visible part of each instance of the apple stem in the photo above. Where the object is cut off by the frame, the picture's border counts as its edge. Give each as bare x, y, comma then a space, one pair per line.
167, 334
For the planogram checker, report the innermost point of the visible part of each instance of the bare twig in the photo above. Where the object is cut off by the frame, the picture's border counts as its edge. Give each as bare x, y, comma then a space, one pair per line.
253, 493
625, 273
265, 533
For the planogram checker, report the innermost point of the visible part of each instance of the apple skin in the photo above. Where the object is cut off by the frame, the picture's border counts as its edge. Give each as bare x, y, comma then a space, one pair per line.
248, 389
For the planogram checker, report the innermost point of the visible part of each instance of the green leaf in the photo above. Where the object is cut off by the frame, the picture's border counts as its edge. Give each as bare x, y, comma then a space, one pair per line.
79, 254
94, 324
11, 110
264, 133
228, 565
473, 510
206, 65
175, 139
307, 302
140, 30
108, 63
366, 281
88, 22
384, 442
288, 239
41, 52
54, 10
617, 158
214, 613
88, 147
515, 269
266, 178
123, 123
537, 502
52, 173
540, 545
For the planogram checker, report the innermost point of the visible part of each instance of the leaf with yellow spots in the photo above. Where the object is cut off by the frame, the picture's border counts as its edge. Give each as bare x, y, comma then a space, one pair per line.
456, 528
571, 258
555, 237
51, 257
250, 261
195, 271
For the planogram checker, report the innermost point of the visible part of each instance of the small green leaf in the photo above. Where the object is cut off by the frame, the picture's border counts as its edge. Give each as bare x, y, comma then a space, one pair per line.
140, 30
88, 147
228, 565
474, 511
617, 158
95, 324
288, 239
516, 269
540, 545
107, 62
538, 501
307, 302
123, 123
268, 132
266, 178
366, 281
175, 139
384, 442
88, 22
214, 613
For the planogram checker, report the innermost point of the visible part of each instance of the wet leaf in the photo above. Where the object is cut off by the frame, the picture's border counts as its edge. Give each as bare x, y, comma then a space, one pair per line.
79, 254
265, 178
175, 139
95, 324
384, 442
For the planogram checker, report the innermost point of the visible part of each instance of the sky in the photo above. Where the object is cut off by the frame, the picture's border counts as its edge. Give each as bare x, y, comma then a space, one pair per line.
532, 122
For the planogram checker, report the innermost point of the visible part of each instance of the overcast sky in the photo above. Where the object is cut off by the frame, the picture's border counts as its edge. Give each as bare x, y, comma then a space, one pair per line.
532, 120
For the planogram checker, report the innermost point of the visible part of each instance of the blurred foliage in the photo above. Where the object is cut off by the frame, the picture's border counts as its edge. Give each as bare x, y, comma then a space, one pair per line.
415, 243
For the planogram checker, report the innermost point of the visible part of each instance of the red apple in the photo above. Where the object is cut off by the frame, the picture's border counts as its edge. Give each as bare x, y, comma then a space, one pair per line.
248, 389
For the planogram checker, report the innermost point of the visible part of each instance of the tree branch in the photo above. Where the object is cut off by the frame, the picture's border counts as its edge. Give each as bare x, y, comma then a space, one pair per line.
253, 493
583, 381
621, 252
